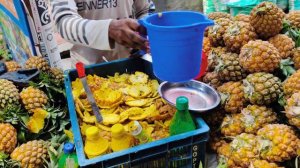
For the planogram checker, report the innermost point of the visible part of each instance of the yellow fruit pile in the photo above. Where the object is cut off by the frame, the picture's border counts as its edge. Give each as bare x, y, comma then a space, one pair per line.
123, 98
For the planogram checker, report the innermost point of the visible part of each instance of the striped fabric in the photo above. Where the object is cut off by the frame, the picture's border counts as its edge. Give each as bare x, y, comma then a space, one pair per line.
85, 23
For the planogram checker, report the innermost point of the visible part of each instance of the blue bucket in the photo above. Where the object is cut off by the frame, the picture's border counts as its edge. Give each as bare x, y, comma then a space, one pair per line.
176, 43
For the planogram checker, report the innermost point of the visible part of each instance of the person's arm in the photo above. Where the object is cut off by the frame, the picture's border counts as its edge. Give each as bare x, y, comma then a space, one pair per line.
75, 29
141, 8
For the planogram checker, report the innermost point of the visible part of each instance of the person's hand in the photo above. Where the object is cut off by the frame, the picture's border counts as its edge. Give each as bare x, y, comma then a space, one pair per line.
127, 32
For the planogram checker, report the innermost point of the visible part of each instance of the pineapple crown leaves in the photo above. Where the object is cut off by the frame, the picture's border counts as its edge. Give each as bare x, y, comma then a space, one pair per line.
222, 162
224, 98
264, 9
5, 162
292, 32
248, 87
13, 114
282, 100
286, 66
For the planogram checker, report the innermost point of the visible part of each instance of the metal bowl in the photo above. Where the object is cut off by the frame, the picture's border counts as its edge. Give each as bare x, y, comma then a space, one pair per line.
202, 97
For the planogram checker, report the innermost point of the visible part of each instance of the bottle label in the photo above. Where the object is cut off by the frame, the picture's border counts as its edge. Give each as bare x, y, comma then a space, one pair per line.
70, 163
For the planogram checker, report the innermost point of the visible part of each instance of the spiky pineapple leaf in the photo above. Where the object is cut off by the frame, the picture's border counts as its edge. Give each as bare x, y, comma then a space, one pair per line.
286, 66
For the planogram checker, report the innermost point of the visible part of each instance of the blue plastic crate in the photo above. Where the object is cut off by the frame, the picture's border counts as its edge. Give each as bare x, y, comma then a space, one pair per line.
184, 150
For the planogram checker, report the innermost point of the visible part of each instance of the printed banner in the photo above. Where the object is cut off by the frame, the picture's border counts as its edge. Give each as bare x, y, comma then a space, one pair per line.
13, 22
9, 5
45, 33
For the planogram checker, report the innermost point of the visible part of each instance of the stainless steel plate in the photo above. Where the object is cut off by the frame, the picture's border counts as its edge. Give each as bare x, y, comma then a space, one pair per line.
202, 97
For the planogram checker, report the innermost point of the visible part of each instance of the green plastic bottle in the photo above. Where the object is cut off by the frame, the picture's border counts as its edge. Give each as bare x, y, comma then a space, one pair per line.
69, 157
182, 121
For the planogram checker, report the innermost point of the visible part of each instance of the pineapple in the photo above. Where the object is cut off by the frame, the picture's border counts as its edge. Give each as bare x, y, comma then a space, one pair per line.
242, 18
296, 57
278, 143
9, 94
12, 66
263, 164
57, 75
212, 78
267, 19
232, 94
225, 158
244, 149
255, 117
31, 154
292, 84
213, 56
206, 45
237, 35
39, 63
216, 32
229, 68
292, 110
284, 45
232, 125
8, 138
294, 18
262, 88
33, 98
218, 15
259, 56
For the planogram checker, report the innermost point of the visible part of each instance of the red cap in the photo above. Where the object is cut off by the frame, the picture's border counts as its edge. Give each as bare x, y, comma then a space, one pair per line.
80, 69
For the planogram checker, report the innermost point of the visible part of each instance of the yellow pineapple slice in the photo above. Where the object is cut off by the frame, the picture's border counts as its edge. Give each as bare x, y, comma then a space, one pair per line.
124, 116
138, 77
103, 127
136, 113
37, 121
139, 91
137, 103
110, 119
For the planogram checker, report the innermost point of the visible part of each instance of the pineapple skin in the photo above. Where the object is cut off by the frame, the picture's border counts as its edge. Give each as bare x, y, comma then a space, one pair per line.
232, 125
259, 56
292, 84
264, 164
296, 57
242, 18
255, 117
212, 78
267, 19
216, 32
33, 98
229, 68
31, 154
9, 94
233, 99
262, 88
244, 148
8, 138
291, 110
284, 45
237, 35
12, 66
294, 18
218, 15
278, 142
39, 63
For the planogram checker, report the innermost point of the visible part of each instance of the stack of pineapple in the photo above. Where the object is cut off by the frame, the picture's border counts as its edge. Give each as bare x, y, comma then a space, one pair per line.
246, 54
23, 115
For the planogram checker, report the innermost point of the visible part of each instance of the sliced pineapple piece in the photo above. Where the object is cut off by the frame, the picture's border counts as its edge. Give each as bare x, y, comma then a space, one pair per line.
124, 116
136, 113
108, 98
137, 103
110, 119
138, 77
139, 91
88, 118
37, 121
